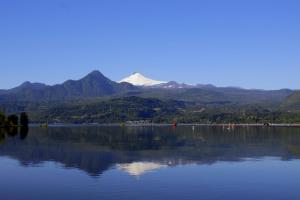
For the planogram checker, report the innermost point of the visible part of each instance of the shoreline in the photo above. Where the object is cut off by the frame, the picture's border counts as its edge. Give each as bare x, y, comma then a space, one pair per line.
13, 126
167, 124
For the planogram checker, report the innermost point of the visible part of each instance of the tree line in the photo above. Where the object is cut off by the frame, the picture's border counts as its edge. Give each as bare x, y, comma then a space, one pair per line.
14, 120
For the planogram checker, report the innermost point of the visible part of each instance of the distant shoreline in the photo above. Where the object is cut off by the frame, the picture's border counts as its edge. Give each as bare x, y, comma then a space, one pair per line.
12, 126
166, 124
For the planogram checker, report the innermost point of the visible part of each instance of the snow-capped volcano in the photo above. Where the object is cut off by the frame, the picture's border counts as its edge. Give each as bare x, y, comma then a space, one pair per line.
138, 79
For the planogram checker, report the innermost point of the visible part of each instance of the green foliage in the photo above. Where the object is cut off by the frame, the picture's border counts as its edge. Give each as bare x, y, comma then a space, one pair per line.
292, 103
158, 111
114, 110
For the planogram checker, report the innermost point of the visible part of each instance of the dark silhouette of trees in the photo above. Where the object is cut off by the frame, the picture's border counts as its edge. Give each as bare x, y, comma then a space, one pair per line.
2, 119
23, 132
11, 131
24, 121
2, 135
13, 120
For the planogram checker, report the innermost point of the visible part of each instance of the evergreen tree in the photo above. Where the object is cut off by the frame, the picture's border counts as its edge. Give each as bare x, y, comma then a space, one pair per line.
24, 121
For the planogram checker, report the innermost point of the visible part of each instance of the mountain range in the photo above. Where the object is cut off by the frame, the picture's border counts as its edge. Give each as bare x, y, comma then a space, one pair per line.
95, 84
95, 88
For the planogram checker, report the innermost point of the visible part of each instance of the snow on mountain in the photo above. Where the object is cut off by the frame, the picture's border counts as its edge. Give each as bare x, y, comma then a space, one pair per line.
140, 80
173, 85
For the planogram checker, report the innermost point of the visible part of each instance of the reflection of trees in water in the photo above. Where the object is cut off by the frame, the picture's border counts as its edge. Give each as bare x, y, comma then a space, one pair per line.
13, 132
2, 136
95, 149
24, 132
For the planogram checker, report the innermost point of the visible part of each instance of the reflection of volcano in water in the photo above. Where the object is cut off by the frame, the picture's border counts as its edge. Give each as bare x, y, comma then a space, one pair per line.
137, 150
139, 168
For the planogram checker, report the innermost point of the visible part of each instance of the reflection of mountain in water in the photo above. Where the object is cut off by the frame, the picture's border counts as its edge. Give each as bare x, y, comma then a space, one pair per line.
139, 168
96, 149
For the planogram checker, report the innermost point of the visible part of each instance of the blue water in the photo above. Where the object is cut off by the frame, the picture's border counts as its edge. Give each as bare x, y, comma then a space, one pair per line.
150, 163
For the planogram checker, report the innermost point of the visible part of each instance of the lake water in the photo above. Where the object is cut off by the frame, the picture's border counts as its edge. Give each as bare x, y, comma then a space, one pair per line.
150, 163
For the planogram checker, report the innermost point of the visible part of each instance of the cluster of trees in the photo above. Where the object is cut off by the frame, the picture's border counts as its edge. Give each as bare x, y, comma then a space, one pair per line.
252, 117
14, 120
112, 111
150, 109
158, 111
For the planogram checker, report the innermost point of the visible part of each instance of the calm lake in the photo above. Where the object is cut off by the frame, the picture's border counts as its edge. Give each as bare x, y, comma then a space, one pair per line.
150, 163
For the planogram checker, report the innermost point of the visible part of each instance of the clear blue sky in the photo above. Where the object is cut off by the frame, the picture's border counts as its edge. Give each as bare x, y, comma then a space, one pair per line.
247, 43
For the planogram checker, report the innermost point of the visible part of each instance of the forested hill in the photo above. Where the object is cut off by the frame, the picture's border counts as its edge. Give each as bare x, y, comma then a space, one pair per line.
149, 110
292, 103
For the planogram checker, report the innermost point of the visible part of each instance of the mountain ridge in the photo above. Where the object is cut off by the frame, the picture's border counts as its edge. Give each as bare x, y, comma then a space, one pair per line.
96, 98
96, 85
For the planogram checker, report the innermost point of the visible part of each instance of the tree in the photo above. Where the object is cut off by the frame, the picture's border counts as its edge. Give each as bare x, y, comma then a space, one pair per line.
24, 121
13, 120
2, 119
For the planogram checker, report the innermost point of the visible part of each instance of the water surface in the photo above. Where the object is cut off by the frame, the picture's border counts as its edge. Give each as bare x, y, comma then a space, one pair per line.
150, 163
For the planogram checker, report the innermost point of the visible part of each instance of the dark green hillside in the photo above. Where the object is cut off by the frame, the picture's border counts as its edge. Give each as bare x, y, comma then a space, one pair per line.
154, 110
219, 96
194, 94
292, 103
114, 110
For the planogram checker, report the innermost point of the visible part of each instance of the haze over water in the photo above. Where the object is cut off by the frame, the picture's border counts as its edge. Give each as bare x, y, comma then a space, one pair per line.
150, 163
